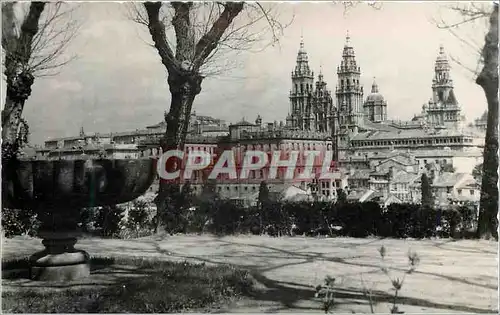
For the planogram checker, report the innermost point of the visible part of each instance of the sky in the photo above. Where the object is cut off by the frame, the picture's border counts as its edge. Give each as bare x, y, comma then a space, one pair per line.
117, 82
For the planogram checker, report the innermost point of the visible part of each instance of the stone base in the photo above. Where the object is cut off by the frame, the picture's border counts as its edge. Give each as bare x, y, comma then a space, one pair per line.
60, 273
62, 265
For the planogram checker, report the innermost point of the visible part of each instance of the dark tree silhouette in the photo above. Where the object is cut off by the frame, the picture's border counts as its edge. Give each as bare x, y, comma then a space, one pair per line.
427, 197
341, 196
263, 197
488, 80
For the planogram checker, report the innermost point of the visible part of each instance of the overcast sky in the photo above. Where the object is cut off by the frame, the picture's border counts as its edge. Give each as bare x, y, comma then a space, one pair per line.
118, 82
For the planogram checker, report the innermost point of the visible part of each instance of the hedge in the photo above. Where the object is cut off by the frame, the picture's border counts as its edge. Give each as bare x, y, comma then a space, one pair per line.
224, 217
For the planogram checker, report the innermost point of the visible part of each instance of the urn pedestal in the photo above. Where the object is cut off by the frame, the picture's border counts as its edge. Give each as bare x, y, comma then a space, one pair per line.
58, 190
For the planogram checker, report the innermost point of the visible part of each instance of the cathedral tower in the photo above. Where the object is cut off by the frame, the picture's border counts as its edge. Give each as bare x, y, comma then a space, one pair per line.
349, 92
301, 93
442, 109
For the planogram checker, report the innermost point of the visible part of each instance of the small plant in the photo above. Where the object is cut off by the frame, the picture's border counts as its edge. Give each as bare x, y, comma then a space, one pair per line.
397, 282
327, 290
368, 293
327, 293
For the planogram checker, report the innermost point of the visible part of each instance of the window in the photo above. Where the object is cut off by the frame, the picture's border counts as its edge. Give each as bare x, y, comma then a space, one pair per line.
472, 192
459, 191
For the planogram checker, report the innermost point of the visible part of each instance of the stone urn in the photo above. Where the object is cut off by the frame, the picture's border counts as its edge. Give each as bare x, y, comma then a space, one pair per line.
57, 190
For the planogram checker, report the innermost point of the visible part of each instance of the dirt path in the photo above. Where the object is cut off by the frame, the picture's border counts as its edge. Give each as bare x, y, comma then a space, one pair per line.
459, 276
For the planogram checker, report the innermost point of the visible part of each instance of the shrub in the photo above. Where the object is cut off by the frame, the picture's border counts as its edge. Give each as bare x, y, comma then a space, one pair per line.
226, 217
139, 220
109, 220
19, 222
89, 219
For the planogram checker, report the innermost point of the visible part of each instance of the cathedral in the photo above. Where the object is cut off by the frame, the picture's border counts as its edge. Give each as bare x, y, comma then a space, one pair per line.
351, 119
354, 126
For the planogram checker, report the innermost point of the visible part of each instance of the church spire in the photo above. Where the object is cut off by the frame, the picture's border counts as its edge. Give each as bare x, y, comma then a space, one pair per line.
302, 65
348, 49
82, 132
349, 91
374, 86
302, 86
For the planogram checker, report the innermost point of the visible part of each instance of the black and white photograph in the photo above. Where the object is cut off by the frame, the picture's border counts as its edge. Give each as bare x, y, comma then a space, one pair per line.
250, 157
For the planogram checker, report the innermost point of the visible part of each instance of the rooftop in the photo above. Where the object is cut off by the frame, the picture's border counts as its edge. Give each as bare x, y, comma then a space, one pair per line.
447, 179
396, 134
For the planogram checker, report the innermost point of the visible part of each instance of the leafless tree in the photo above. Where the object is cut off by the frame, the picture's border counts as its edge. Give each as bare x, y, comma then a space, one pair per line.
190, 39
34, 38
487, 78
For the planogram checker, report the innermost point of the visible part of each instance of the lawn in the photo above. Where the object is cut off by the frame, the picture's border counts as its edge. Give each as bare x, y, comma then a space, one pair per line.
452, 277
133, 286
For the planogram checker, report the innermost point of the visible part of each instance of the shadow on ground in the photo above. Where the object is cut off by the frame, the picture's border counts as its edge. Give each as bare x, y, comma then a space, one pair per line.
262, 260
290, 295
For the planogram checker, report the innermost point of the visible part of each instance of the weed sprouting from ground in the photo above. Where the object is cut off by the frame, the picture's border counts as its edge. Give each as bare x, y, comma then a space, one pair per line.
326, 291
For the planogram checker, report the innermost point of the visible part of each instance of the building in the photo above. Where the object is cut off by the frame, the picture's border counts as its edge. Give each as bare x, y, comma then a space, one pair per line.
371, 152
359, 125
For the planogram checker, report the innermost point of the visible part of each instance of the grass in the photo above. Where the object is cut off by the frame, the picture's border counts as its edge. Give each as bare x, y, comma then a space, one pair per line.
161, 287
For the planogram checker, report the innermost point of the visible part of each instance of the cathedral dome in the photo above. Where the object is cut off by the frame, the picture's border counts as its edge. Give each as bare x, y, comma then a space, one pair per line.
375, 95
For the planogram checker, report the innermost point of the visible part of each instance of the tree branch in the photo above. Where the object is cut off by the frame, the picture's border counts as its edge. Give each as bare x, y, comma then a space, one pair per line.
157, 31
9, 36
183, 32
209, 41
29, 28
489, 73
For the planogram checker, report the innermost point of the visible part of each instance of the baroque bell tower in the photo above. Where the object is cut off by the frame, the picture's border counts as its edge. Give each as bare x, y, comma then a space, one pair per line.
443, 109
301, 92
349, 92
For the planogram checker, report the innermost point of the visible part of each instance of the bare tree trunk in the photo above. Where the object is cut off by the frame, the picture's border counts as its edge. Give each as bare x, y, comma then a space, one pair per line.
488, 80
184, 78
183, 91
19, 81
18, 75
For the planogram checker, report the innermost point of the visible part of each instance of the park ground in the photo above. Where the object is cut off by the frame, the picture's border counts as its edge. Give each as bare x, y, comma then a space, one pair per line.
453, 276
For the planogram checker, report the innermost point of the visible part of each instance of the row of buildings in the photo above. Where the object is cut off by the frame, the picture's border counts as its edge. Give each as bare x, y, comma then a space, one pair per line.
375, 158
